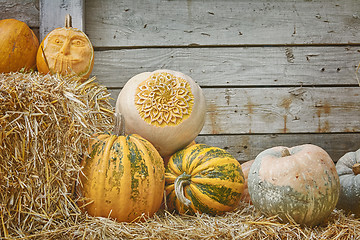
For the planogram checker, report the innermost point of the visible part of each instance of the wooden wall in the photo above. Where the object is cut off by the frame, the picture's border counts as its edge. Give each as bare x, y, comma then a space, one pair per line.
273, 72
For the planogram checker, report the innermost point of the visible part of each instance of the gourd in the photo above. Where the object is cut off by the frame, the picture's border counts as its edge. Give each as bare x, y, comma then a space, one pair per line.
122, 177
348, 169
203, 179
18, 46
245, 167
67, 51
165, 107
166, 159
299, 184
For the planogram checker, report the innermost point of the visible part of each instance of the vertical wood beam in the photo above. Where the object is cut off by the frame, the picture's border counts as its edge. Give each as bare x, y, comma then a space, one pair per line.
53, 12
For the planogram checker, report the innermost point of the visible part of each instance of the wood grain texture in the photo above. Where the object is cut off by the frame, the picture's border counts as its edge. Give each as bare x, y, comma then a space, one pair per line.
256, 66
247, 147
26, 11
53, 12
231, 22
280, 110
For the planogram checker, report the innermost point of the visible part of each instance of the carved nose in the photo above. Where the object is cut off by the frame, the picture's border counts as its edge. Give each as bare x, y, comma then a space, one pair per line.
65, 49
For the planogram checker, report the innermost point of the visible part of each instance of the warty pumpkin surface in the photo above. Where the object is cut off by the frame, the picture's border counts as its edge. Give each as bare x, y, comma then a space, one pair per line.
298, 184
67, 51
348, 169
203, 179
122, 177
18, 46
165, 107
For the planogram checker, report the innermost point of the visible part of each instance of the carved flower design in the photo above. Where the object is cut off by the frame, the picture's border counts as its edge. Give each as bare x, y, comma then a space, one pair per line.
164, 99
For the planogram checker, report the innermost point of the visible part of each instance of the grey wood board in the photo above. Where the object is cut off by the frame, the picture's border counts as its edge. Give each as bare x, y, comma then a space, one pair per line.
181, 23
26, 11
280, 110
247, 147
234, 66
53, 12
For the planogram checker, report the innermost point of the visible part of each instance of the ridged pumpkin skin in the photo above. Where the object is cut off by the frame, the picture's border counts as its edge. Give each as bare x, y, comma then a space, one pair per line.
245, 167
68, 51
123, 176
348, 171
18, 46
300, 182
210, 178
165, 107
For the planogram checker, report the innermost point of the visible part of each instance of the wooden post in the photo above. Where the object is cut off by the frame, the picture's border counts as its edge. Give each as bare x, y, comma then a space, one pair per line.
52, 14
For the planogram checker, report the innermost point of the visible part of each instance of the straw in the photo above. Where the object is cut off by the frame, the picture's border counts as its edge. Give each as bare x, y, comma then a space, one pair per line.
45, 122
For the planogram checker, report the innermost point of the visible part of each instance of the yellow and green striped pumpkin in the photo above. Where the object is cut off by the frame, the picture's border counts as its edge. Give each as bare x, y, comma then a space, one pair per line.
122, 177
203, 179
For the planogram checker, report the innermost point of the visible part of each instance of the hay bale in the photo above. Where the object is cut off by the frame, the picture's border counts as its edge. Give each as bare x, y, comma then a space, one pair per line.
44, 124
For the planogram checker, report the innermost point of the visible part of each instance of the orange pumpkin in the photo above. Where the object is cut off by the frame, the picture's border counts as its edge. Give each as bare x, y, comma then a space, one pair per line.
245, 197
122, 177
66, 50
18, 46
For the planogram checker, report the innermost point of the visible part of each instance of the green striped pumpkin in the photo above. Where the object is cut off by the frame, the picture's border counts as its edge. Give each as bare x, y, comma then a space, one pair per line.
203, 179
122, 177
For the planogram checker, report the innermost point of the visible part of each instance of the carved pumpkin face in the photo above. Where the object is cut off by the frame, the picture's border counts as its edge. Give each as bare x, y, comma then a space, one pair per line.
67, 50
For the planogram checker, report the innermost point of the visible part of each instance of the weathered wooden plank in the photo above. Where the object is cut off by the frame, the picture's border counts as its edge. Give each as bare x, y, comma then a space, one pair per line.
25, 10
280, 110
255, 66
232, 22
247, 147
53, 12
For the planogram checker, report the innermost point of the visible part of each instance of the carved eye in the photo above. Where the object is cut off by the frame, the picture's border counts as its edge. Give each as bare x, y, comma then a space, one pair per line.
78, 43
57, 40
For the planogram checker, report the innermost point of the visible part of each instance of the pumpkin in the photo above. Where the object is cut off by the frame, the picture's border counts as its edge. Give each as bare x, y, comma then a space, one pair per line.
203, 179
122, 177
67, 51
348, 169
18, 46
165, 107
245, 167
166, 159
299, 184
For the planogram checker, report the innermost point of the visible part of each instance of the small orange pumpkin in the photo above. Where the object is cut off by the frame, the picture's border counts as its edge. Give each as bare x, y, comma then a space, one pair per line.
66, 50
18, 46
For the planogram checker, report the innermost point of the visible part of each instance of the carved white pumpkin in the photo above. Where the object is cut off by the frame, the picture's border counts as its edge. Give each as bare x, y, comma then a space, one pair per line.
165, 107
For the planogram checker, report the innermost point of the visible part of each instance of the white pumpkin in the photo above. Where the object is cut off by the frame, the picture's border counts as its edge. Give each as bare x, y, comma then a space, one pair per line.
165, 107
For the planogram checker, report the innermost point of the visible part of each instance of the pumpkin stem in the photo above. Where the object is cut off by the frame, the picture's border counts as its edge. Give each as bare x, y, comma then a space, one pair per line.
180, 181
356, 168
119, 125
68, 21
285, 152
